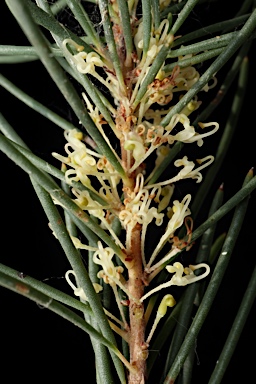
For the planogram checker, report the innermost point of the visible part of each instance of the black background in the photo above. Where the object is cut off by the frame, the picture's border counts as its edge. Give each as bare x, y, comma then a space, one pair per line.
35, 337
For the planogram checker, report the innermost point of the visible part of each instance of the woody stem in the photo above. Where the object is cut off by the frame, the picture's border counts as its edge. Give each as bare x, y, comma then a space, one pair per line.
138, 349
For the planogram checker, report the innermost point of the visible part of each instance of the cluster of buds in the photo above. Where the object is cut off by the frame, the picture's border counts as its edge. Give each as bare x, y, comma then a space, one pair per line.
161, 91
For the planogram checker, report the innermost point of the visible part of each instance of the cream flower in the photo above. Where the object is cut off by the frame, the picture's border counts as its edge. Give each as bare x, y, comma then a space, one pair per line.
103, 257
179, 211
189, 277
182, 276
188, 134
84, 62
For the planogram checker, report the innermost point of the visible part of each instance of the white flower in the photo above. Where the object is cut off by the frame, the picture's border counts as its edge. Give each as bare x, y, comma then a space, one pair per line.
179, 211
178, 278
84, 62
135, 144
188, 171
188, 134
103, 257
189, 277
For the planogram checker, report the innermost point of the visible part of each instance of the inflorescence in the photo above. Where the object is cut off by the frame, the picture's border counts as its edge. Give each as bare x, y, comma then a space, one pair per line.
141, 134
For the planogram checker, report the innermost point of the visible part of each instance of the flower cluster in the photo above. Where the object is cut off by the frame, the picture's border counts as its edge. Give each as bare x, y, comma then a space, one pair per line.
83, 162
89, 62
137, 117
138, 209
109, 273
146, 137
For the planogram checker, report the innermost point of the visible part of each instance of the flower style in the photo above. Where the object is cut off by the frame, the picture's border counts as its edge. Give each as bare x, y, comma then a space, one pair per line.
111, 275
88, 62
80, 159
178, 278
158, 38
79, 245
99, 121
135, 144
85, 202
161, 91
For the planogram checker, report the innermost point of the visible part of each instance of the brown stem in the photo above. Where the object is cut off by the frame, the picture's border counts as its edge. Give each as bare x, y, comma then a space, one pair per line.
138, 348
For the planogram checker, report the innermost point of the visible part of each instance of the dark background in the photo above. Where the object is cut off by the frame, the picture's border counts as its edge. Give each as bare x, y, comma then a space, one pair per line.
35, 337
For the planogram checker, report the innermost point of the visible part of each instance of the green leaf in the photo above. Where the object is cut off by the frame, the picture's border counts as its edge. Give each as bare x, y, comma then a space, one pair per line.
35, 105
108, 33
147, 23
156, 13
210, 29
206, 45
81, 16
226, 138
47, 290
212, 288
50, 23
198, 59
45, 301
54, 190
183, 15
127, 32
235, 332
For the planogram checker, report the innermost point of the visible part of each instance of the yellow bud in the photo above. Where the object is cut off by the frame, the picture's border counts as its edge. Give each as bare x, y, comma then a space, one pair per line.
191, 105
167, 301
80, 48
78, 135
